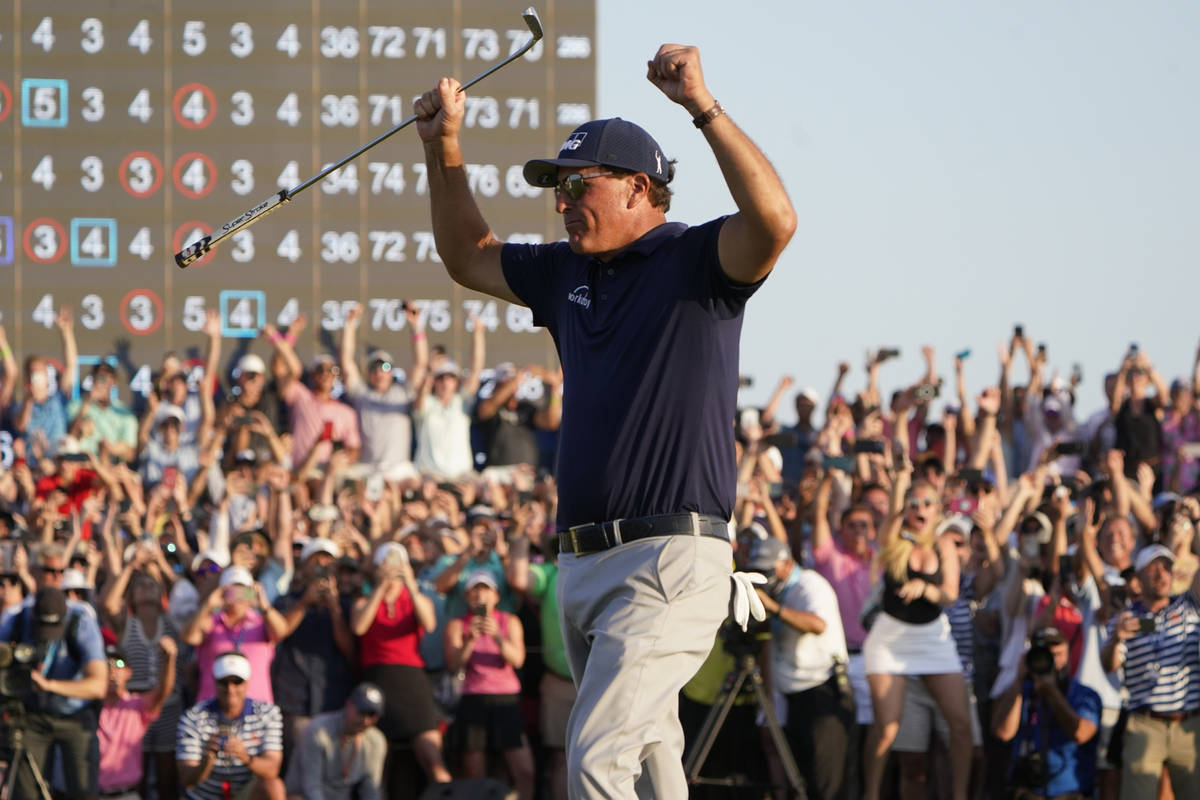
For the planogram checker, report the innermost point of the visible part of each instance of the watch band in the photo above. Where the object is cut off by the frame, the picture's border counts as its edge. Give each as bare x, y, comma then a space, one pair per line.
700, 120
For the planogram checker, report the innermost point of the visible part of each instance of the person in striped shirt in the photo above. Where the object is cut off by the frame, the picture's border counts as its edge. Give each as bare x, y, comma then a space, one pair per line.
231, 747
1157, 641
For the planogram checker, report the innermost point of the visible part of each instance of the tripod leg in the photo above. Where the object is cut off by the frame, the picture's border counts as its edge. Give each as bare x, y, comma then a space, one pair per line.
42, 787
776, 731
698, 752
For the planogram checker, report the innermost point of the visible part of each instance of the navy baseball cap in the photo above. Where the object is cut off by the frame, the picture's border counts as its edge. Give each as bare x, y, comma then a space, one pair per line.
603, 142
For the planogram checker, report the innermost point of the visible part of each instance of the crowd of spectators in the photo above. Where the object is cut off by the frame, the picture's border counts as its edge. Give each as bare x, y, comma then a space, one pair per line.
270, 580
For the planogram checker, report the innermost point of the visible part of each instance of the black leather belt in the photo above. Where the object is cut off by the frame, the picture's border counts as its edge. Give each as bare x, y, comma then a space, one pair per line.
596, 536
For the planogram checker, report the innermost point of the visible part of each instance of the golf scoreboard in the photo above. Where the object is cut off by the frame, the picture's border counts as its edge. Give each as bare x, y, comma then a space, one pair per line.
128, 128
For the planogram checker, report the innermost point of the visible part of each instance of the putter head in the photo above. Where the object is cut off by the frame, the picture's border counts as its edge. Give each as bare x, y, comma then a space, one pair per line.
531, 19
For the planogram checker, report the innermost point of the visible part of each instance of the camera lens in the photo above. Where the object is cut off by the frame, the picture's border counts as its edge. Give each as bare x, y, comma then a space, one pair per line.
1039, 660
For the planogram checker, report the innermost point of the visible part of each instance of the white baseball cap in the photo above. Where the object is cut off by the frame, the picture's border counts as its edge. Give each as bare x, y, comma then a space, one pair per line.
251, 363
387, 549
447, 367
1150, 553
170, 411
231, 665
215, 556
74, 579
319, 545
67, 445
481, 576
236, 576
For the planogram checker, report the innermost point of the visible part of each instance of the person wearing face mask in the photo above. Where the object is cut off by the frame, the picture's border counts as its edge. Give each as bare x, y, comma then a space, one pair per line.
1052, 721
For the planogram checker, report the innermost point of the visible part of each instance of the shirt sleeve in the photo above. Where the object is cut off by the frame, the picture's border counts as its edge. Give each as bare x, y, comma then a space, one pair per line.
350, 434
309, 760
1086, 704
272, 733
734, 294
375, 747
539, 581
189, 746
532, 274
91, 643
295, 392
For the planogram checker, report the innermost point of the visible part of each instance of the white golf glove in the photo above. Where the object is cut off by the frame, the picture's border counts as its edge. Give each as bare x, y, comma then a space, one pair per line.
743, 600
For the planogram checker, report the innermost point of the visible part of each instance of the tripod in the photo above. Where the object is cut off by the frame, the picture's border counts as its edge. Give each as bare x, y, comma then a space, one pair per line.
748, 670
22, 757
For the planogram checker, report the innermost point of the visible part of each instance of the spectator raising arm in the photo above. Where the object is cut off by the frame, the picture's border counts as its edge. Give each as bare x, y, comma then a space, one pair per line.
66, 327
420, 346
8, 364
286, 365
351, 377
770, 412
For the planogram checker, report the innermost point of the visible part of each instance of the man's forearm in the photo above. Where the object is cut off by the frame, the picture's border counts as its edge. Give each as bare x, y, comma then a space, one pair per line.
192, 774
265, 765
1064, 715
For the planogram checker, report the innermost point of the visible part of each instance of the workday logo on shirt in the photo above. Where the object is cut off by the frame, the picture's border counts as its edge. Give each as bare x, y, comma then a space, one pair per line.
581, 295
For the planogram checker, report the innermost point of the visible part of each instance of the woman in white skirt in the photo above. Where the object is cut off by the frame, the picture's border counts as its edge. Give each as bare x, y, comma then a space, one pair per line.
911, 636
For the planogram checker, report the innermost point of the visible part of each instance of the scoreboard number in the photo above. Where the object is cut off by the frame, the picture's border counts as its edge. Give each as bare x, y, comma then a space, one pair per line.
147, 115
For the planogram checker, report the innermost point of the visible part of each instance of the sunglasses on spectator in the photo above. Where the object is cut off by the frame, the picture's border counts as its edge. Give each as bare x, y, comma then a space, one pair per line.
332, 369
921, 502
574, 185
117, 663
208, 569
230, 681
383, 366
51, 570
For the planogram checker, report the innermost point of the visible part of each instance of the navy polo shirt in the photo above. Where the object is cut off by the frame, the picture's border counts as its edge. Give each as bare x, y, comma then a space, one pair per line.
649, 348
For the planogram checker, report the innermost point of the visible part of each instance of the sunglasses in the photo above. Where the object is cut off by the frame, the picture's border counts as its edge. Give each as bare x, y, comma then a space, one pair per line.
330, 368
208, 569
921, 502
383, 366
574, 185
51, 571
117, 663
230, 682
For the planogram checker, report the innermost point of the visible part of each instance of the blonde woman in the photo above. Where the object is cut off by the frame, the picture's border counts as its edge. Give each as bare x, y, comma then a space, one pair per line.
911, 636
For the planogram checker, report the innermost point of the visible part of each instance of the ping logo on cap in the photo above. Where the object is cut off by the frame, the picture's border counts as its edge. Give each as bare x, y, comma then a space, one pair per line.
574, 141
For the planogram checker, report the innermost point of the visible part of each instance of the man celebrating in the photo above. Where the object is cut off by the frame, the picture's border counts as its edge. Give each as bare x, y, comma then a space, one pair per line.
646, 316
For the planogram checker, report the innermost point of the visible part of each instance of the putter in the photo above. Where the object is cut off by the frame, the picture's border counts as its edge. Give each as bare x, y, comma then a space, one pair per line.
199, 248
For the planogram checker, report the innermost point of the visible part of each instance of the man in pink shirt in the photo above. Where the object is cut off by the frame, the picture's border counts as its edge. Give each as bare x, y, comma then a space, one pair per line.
846, 564
318, 420
124, 719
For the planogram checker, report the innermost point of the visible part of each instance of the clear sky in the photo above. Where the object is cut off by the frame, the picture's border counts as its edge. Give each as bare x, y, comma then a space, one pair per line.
956, 167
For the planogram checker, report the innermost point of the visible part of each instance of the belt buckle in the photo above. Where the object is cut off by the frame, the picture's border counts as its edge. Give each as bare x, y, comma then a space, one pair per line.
573, 536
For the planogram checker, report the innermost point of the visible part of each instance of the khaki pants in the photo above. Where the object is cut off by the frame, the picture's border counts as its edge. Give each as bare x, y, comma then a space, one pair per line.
638, 621
1149, 744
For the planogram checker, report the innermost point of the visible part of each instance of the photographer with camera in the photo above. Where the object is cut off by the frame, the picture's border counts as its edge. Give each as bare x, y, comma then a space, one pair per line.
68, 673
1157, 642
308, 676
808, 666
1052, 721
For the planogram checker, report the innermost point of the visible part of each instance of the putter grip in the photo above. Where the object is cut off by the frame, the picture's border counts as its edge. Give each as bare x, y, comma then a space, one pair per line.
200, 247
